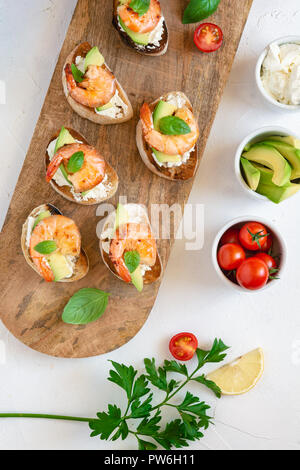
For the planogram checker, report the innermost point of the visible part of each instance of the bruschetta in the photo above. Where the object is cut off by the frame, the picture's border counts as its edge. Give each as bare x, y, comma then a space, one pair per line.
141, 26
77, 171
167, 136
128, 247
51, 245
92, 90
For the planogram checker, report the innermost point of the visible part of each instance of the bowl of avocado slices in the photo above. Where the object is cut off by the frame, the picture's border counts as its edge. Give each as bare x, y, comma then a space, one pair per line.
267, 164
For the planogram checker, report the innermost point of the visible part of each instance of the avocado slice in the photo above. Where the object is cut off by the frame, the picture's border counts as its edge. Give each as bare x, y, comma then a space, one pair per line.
164, 158
59, 266
106, 106
268, 156
64, 138
273, 192
288, 140
122, 216
41, 216
162, 110
290, 153
138, 38
251, 174
93, 57
137, 279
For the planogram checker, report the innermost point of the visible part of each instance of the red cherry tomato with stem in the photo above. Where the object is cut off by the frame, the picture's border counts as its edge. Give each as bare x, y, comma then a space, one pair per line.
231, 256
208, 37
268, 245
231, 236
253, 236
269, 260
183, 346
253, 274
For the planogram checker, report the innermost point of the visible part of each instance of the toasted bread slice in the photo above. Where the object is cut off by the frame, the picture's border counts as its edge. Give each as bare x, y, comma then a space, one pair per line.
84, 111
111, 183
149, 50
82, 264
150, 276
183, 172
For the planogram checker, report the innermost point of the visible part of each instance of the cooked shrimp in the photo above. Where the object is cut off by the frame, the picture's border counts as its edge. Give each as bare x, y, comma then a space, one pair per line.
66, 235
91, 173
170, 144
132, 237
140, 24
97, 88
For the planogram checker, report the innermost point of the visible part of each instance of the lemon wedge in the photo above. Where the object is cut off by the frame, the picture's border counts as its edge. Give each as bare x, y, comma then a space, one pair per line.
241, 375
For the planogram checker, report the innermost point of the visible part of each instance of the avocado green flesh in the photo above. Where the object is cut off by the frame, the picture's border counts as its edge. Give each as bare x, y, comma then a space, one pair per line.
252, 174
137, 279
293, 141
290, 153
268, 156
106, 106
93, 57
138, 38
164, 109
164, 158
64, 138
41, 216
59, 266
275, 193
122, 216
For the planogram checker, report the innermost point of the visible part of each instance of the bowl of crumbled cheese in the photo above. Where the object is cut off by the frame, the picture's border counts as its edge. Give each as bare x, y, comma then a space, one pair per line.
278, 73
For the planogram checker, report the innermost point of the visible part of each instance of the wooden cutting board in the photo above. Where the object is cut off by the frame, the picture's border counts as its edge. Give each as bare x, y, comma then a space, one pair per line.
30, 308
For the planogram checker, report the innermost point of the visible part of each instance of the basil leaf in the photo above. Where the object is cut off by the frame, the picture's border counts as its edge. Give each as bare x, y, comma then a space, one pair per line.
46, 248
75, 163
77, 74
198, 10
140, 6
173, 125
86, 306
132, 260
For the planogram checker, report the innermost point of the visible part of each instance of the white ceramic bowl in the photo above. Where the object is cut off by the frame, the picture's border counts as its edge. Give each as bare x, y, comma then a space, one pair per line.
279, 246
263, 91
254, 137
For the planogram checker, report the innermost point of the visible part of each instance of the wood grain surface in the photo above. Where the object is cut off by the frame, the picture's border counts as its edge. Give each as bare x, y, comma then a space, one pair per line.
30, 308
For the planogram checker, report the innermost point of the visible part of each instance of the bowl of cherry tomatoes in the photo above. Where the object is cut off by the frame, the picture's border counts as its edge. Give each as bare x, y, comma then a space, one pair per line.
249, 254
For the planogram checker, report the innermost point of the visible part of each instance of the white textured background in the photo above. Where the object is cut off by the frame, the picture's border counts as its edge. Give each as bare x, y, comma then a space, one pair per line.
191, 297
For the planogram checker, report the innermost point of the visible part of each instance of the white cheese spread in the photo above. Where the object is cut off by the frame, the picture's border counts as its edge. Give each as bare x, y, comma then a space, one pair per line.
281, 73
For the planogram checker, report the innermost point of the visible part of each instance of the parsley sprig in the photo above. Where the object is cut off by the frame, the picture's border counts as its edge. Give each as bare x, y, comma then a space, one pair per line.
142, 417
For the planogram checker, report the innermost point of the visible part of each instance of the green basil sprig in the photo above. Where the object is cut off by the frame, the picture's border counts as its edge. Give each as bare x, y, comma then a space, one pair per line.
77, 74
198, 10
132, 260
173, 125
46, 247
76, 162
140, 6
86, 306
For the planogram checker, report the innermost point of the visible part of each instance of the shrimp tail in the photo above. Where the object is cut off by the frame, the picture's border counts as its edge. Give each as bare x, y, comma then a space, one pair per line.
122, 270
146, 118
44, 269
71, 83
53, 166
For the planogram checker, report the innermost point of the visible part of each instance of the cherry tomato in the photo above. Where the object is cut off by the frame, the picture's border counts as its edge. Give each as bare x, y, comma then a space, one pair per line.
253, 274
208, 37
253, 236
270, 262
231, 236
231, 256
268, 245
183, 346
